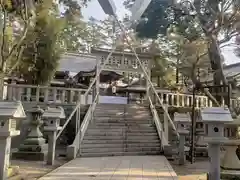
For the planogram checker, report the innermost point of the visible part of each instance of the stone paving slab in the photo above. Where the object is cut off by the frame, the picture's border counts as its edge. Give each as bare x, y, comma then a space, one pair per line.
195, 171
115, 168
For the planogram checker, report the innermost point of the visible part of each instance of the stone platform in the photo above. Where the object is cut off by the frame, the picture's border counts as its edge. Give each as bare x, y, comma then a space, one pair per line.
115, 168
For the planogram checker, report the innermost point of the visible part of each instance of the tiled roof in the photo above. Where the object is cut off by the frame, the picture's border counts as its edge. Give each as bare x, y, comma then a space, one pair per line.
75, 63
229, 71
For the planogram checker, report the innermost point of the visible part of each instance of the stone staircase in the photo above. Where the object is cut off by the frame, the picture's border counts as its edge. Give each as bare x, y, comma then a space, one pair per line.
120, 130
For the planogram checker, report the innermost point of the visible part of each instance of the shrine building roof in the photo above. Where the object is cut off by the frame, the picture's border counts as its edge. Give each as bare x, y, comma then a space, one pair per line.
74, 63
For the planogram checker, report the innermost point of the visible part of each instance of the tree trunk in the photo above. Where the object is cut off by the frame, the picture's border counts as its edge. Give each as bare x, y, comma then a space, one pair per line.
2, 86
216, 60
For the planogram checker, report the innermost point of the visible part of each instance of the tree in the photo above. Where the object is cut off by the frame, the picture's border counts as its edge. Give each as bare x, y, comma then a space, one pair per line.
11, 39
43, 45
100, 33
215, 18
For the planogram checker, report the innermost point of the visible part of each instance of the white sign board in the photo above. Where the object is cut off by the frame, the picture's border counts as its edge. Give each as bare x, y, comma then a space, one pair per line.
138, 9
108, 7
216, 114
182, 117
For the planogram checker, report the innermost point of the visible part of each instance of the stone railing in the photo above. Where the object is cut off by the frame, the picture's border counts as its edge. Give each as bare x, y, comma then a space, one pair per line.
60, 95
183, 100
45, 94
186, 100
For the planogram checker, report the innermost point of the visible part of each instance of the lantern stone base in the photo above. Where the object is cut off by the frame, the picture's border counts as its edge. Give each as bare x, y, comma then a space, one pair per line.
31, 152
230, 175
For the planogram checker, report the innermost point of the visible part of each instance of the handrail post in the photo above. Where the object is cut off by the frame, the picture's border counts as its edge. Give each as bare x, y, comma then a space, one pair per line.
98, 72
165, 122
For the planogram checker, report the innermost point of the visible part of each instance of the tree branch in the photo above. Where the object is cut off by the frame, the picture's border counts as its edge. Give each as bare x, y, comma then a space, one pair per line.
18, 60
23, 36
3, 38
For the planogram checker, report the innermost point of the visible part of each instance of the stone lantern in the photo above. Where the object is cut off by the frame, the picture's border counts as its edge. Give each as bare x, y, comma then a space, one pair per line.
215, 118
10, 112
34, 146
52, 118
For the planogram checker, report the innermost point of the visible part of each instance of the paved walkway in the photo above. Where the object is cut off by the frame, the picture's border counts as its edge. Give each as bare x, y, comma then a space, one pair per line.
115, 168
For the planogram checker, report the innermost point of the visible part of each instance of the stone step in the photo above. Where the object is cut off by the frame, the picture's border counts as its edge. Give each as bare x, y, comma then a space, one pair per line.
129, 123
119, 126
128, 138
117, 119
105, 154
121, 141
119, 116
129, 106
115, 128
122, 130
140, 123
120, 149
125, 107
120, 145
123, 134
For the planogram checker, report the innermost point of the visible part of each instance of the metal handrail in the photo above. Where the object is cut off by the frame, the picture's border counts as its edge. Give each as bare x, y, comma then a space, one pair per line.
86, 119
158, 123
147, 77
69, 119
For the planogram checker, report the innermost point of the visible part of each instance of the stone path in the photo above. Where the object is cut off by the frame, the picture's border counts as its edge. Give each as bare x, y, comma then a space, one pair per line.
196, 171
115, 168
32, 170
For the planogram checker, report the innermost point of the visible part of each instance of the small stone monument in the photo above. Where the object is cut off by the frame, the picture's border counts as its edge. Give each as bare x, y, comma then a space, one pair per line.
10, 112
52, 118
215, 118
34, 146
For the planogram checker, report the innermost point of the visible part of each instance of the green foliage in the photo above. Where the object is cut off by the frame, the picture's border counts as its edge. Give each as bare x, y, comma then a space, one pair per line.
188, 20
43, 48
75, 30
156, 19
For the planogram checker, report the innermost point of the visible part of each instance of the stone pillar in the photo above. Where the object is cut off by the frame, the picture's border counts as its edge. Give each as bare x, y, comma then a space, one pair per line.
34, 146
52, 138
181, 147
214, 154
5, 146
165, 123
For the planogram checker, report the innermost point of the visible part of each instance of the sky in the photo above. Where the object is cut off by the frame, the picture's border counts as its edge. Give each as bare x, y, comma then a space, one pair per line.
94, 9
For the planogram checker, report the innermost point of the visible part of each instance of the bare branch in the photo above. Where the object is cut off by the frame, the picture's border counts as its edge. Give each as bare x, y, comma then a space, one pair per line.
18, 60
26, 27
3, 37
